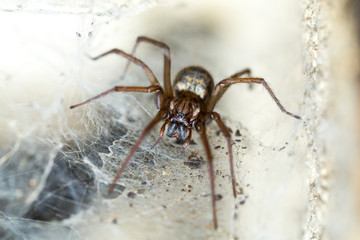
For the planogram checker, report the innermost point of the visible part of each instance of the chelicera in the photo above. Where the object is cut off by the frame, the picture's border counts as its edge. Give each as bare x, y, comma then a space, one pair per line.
186, 106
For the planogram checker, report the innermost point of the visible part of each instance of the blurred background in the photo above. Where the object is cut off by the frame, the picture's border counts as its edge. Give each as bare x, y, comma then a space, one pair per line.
298, 179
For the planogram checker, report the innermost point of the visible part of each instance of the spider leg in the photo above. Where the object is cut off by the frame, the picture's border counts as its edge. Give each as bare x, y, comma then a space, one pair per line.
154, 87
119, 89
135, 60
211, 170
167, 61
161, 134
227, 135
156, 119
222, 86
237, 75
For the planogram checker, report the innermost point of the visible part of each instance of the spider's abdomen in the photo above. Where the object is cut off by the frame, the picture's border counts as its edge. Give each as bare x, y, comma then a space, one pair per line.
194, 79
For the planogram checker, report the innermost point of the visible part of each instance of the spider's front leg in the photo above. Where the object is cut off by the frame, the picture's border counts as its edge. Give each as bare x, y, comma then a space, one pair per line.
148, 128
154, 87
223, 85
167, 62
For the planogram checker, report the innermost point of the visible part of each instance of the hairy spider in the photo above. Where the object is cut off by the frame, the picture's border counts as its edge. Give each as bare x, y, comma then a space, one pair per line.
189, 107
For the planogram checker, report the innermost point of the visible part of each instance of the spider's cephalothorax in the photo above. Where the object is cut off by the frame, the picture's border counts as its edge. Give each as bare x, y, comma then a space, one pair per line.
192, 86
189, 108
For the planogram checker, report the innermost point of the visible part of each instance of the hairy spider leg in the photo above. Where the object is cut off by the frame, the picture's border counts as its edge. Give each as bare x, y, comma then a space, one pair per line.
202, 130
227, 135
154, 87
223, 85
148, 128
167, 62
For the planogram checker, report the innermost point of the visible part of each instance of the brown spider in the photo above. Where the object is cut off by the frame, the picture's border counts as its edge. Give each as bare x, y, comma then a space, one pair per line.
189, 107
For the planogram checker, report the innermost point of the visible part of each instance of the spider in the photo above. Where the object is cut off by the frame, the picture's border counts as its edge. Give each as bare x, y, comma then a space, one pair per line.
186, 106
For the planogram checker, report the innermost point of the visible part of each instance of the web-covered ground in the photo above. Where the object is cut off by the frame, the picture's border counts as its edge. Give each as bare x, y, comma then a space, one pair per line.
160, 193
